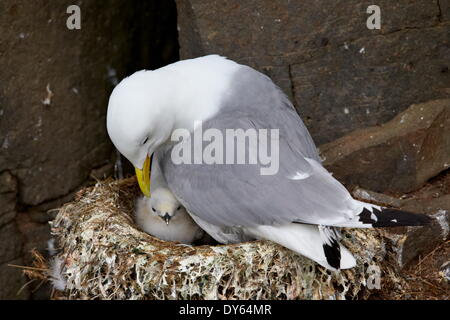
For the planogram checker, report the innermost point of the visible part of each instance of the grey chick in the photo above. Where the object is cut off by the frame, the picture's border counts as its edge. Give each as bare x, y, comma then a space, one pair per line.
163, 217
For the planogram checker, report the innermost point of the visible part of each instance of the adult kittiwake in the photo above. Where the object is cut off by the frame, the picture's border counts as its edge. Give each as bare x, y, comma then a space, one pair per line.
185, 112
162, 216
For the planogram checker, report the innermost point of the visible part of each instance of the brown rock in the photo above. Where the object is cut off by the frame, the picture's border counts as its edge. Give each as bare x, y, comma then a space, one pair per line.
11, 243
8, 194
12, 280
342, 75
54, 89
399, 156
421, 241
7, 183
376, 198
37, 237
7, 210
413, 242
444, 8
56, 143
410, 243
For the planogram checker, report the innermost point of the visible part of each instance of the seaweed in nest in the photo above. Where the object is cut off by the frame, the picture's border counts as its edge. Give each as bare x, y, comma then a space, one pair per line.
105, 256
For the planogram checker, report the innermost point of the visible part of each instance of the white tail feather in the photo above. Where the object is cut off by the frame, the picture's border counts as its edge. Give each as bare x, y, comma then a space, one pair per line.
303, 239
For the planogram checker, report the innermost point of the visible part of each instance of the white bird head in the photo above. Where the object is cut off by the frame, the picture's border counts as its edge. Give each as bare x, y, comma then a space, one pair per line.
139, 121
163, 204
145, 108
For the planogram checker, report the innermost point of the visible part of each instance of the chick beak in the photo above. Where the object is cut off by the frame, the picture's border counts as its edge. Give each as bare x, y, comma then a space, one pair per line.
167, 218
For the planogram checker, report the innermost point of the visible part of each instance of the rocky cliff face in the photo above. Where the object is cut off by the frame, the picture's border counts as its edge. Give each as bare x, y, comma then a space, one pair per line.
398, 156
55, 83
54, 89
341, 75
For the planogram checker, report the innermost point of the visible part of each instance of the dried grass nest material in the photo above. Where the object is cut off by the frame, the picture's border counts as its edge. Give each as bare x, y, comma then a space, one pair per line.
106, 257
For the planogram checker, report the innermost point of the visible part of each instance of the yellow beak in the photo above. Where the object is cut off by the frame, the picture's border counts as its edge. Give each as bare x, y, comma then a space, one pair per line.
143, 177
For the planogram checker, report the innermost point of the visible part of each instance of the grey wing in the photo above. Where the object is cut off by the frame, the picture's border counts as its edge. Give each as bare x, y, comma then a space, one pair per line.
238, 195
157, 177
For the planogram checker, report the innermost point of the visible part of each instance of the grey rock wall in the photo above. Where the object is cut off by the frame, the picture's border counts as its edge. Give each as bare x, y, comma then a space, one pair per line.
341, 75
397, 157
54, 88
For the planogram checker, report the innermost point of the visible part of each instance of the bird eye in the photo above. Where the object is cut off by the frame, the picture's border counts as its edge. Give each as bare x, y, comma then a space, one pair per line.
179, 208
154, 210
145, 141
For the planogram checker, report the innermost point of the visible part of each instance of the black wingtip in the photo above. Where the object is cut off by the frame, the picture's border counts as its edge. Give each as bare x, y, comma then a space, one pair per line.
333, 254
388, 217
330, 243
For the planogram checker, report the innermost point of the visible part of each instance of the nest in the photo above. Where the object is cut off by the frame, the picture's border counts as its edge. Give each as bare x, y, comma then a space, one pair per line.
105, 256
